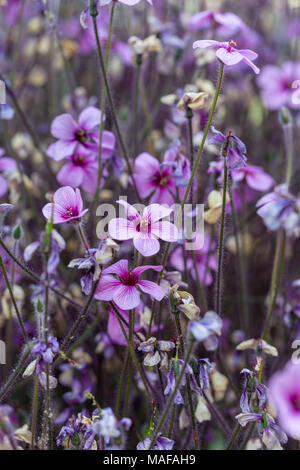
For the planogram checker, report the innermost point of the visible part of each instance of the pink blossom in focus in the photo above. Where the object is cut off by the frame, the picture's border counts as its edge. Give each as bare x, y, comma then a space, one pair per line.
144, 230
228, 54
122, 287
67, 206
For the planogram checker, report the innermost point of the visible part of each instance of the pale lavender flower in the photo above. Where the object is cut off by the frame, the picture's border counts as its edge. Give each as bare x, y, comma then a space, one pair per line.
232, 149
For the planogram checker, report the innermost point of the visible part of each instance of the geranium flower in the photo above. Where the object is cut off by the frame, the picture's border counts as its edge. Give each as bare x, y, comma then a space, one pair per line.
228, 23
161, 179
67, 206
125, 2
70, 133
255, 177
276, 85
144, 230
123, 288
284, 389
279, 209
228, 54
6, 164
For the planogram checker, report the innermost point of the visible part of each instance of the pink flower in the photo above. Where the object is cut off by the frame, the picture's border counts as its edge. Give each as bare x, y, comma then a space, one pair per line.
276, 85
145, 229
160, 179
284, 389
81, 170
6, 164
227, 53
123, 288
205, 261
125, 2
67, 205
228, 23
70, 133
255, 177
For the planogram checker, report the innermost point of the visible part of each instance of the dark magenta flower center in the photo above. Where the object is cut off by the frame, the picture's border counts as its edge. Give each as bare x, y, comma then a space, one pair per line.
295, 400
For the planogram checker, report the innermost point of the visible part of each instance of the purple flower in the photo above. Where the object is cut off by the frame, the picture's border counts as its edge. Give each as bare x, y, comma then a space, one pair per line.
255, 177
228, 54
44, 353
284, 387
279, 209
232, 149
123, 289
67, 206
161, 443
144, 230
70, 134
276, 85
6, 164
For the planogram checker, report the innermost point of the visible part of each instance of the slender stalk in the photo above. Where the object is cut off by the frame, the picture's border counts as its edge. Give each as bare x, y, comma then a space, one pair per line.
13, 300
172, 397
139, 60
172, 422
120, 387
190, 181
18, 43
35, 277
34, 411
94, 14
202, 296
219, 276
84, 242
240, 265
133, 354
15, 374
236, 431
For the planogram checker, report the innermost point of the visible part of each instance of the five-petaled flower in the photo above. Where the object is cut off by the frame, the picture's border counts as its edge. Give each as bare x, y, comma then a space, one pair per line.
144, 230
228, 54
122, 289
67, 206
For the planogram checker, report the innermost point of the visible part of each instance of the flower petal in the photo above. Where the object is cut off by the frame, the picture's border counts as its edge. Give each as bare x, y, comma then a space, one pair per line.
151, 288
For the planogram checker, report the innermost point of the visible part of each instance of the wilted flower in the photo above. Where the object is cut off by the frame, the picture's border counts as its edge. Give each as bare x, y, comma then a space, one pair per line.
258, 345
161, 443
232, 149
193, 100
7, 164
155, 350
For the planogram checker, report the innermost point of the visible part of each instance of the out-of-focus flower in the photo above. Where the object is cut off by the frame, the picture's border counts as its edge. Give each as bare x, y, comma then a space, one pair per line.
207, 329
279, 209
123, 289
184, 301
228, 54
193, 100
259, 345
272, 435
276, 84
70, 134
284, 387
215, 202
144, 230
142, 47
252, 387
7, 164
205, 261
160, 180
255, 177
67, 206
232, 149
228, 23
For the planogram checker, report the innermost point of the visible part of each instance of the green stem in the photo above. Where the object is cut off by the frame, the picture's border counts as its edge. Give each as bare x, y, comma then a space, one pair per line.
133, 354
13, 300
84, 242
139, 60
248, 437
172, 397
121, 383
237, 429
172, 422
109, 96
240, 264
190, 181
15, 374
34, 411
219, 276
